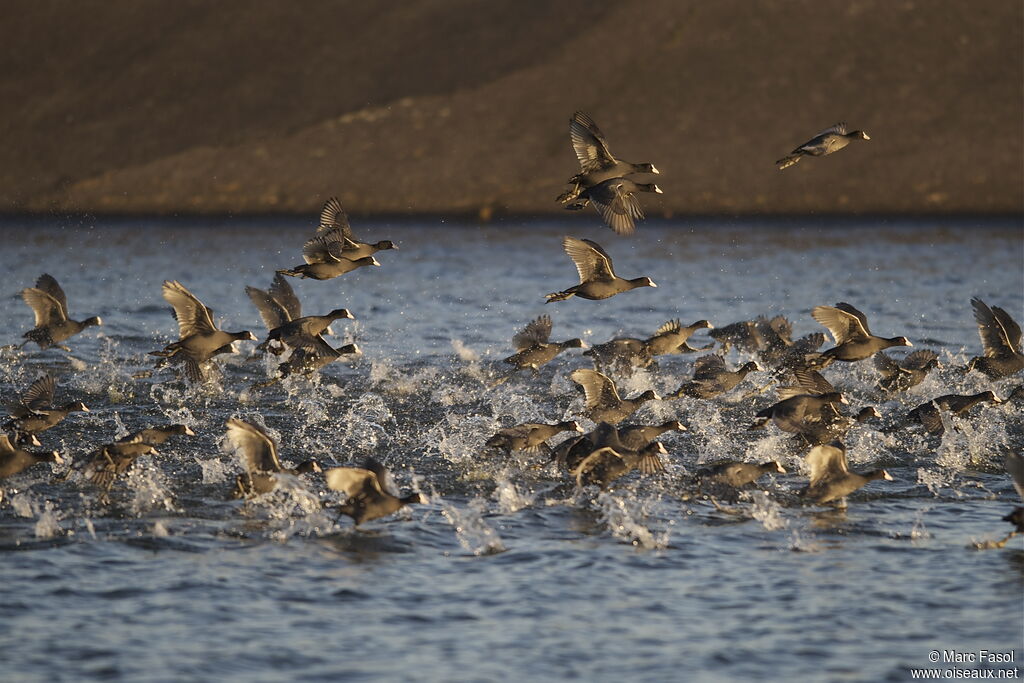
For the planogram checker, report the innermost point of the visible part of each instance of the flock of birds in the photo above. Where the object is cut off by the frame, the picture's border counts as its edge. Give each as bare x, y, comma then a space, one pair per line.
809, 407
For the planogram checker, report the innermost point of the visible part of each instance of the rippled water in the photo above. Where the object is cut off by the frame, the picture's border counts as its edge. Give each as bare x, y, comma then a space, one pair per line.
508, 572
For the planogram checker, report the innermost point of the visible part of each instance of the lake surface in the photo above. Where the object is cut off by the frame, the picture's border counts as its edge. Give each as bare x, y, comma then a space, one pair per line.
509, 572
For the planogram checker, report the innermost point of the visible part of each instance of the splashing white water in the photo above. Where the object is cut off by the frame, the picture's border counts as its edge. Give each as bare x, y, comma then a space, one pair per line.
473, 533
620, 514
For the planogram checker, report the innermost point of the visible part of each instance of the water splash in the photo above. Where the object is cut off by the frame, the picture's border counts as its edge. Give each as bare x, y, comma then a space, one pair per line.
621, 515
473, 533
767, 511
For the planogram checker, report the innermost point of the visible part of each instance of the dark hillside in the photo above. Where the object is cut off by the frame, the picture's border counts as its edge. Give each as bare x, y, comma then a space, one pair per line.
126, 106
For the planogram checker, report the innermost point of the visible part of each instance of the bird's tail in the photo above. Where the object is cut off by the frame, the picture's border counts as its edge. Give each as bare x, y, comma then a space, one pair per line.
558, 296
787, 161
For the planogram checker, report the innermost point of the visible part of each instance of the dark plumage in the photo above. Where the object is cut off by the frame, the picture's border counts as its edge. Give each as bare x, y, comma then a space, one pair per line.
620, 355
831, 478
158, 435
792, 413
1000, 339
326, 258
736, 473
597, 163
333, 217
834, 427
533, 348
849, 328
602, 398
615, 199
368, 492
902, 375
711, 378
200, 339
597, 278
14, 460
826, 142
50, 305
957, 405
281, 312
744, 334
34, 412
635, 437
258, 453
672, 337
110, 460
832, 424
530, 436
605, 465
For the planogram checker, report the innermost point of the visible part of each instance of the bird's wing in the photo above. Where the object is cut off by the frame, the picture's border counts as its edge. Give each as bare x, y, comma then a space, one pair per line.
283, 293
1010, 327
333, 217
782, 327
842, 324
618, 206
707, 367
669, 327
48, 284
826, 461
861, 318
812, 381
592, 263
192, 315
837, 129
47, 309
257, 449
5, 444
353, 481
1015, 466
273, 313
918, 359
599, 389
385, 482
785, 392
536, 332
588, 463
39, 394
886, 365
589, 144
327, 247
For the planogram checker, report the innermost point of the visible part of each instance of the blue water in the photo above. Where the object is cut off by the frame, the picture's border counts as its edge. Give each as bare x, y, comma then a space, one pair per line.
508, 573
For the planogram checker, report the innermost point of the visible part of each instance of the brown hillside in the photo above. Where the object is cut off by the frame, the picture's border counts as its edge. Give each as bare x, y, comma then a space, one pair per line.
429, 106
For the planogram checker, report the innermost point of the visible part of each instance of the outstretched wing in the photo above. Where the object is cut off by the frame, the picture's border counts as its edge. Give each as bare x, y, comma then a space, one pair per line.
592, 263
48, 284
192, 315
826, 462
618, 206
354, 482
589, 144
39, 394
271, 311
48, 310
283, 293
599, 389
538, 331
327, 247
257, 450
333, 217
844, 325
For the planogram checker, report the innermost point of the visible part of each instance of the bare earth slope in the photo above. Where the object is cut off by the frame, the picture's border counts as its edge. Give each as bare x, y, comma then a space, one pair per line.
457, 106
